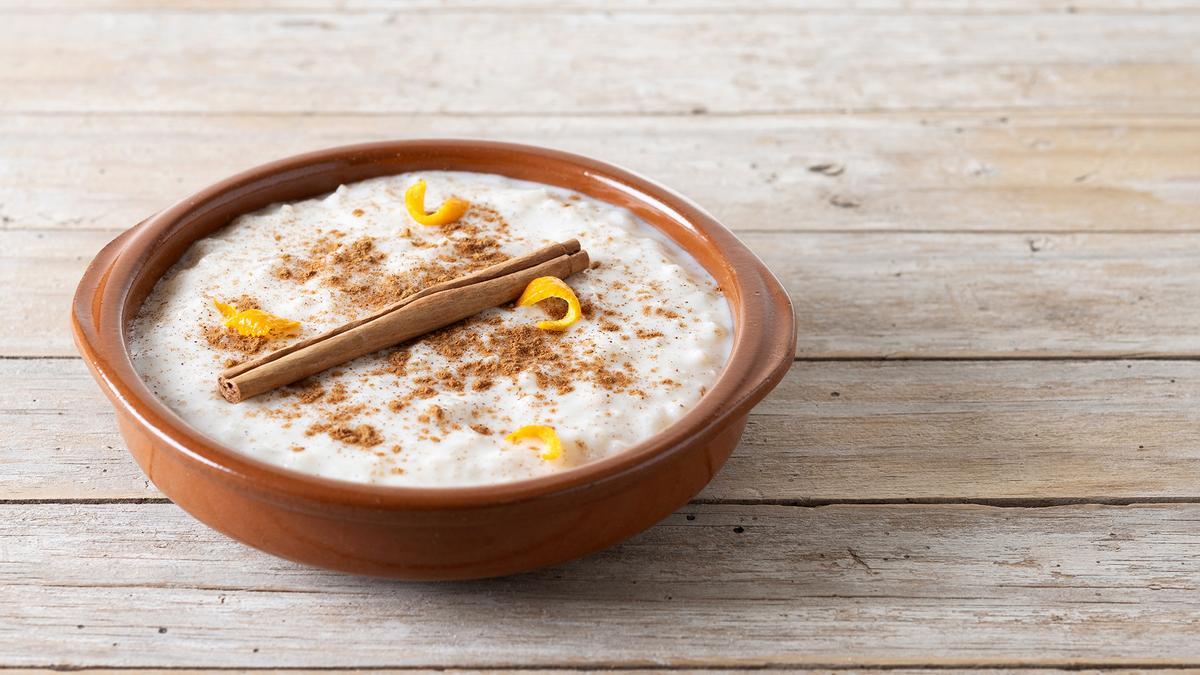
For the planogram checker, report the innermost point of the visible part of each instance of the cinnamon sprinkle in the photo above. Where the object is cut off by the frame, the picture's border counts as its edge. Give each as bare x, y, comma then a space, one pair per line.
309, 392
363, 435
353, 269
506, 352
480, 352
337, 394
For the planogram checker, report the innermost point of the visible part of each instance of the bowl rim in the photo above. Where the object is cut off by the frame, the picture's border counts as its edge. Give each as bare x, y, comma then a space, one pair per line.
762, 351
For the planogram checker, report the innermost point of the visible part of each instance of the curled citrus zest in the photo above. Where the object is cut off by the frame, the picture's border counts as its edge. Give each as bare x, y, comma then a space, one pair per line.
542, 433
451, 210
543, 288
255, 322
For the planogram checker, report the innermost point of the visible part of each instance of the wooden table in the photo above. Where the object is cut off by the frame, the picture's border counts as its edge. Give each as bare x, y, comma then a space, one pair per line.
988, 216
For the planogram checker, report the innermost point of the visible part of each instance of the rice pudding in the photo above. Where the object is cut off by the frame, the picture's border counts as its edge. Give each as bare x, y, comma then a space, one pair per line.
439, 410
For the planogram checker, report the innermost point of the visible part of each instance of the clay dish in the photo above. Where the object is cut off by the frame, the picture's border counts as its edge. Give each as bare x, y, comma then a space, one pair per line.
430, 533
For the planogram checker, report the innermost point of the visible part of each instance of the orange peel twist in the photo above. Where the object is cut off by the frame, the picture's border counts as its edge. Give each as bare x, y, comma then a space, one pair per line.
255, 322
543, 288
545, 434
451, 210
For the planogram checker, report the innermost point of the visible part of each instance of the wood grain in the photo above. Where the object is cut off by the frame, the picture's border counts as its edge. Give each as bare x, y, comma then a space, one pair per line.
986, 7
1003, 432
989, 295
145, 585
917, 172
857, 295
930, 669
1017, 180
587, 62
44, 268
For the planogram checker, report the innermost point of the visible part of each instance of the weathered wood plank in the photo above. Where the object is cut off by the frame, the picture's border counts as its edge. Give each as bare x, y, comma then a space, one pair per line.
986, 295
833, 431
857, 295
594, 62
675, 670
1016, 669
904, 172
42, 270
63, 440
729, 6
144, 585
973, 430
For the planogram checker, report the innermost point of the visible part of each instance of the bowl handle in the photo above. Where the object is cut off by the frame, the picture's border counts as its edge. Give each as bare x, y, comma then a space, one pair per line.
767, 308
85, 305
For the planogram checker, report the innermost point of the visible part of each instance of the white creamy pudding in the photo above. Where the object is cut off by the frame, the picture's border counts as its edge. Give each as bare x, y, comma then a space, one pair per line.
436, 411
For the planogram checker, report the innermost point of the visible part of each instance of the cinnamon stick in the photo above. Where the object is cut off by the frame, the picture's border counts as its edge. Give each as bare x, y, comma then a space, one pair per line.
430, 309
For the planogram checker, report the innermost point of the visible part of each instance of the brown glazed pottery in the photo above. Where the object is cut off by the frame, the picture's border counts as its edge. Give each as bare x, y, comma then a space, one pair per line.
430, 533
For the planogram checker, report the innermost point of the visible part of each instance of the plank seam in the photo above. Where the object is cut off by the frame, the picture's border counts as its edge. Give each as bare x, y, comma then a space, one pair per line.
995, 502
871, 358
1083, 112
865, 358
658, 666
600, 9
803, 503
85, 500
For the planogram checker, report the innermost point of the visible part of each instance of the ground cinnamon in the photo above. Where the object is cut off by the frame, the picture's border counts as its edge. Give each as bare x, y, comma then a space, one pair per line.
420, 313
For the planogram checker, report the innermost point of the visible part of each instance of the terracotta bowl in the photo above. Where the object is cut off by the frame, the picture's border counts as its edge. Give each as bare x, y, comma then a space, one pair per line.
430, 533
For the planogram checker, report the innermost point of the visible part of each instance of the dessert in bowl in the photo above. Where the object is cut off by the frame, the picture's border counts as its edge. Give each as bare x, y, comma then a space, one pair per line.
403, 462
653, 334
